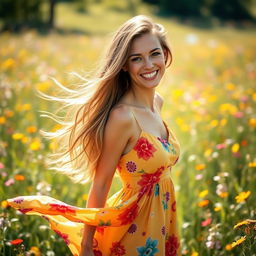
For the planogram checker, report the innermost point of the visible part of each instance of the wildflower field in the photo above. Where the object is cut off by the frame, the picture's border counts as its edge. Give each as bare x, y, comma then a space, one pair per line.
210, 103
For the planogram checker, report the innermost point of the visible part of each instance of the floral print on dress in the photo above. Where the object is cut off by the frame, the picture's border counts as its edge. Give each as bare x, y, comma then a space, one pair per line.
148, 180
117, 249
149, 249
131, 166
63, 236
171, 246
165, 144
133, 216
129, 214
144, 148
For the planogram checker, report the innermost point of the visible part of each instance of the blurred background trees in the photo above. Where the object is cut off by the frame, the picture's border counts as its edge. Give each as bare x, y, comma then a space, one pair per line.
16, 14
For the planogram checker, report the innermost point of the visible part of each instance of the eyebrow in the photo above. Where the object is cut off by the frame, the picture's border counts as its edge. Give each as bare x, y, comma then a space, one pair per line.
138, 54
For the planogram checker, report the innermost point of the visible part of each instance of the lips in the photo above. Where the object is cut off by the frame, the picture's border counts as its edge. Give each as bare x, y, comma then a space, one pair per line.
150, 75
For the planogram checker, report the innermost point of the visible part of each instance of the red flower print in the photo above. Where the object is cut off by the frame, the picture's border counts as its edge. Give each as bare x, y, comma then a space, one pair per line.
171, 246
129, 214
144, 148
148, 180
174, 206
16, 241
25, 210
63, 236
100, 229
117, 249
97, 253
62, 208
18, 200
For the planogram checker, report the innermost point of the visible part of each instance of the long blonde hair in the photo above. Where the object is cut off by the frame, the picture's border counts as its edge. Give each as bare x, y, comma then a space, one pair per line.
80, 139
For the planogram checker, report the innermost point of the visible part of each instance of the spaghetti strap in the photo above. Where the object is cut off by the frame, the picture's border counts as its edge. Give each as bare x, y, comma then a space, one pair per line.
136, 120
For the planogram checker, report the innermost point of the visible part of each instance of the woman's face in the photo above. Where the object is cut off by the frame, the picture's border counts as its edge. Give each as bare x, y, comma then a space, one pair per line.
146, 61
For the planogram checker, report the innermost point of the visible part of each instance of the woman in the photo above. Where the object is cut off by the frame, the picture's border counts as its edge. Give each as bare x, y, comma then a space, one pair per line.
117, 127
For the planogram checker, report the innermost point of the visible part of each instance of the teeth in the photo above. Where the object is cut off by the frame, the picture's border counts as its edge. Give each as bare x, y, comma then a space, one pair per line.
150, 75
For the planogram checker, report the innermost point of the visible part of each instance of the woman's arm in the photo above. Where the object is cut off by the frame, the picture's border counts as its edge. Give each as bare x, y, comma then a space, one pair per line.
116, 135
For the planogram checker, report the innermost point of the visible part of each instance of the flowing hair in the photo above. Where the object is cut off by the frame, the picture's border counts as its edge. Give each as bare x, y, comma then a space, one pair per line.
80, 140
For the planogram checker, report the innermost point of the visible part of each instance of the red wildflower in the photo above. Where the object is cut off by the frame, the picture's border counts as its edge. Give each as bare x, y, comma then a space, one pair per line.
171, 246
62, 208
100, 229
16, 241
117, 249
129, 214
148, 180
144, 148
63, 236
206, 222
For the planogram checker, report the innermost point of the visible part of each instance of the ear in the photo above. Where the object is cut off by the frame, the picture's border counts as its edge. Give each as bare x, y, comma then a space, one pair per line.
165, 55
124, 68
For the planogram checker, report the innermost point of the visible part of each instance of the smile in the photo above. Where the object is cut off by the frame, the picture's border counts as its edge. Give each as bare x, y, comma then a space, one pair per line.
150, 76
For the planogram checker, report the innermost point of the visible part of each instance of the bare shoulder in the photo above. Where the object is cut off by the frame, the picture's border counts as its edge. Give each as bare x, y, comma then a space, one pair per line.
120, 117
159, 99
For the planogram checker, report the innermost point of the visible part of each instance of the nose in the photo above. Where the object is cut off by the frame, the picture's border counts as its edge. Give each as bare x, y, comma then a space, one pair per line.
149, 63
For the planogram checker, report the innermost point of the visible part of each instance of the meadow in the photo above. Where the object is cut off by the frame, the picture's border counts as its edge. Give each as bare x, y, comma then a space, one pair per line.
210, 103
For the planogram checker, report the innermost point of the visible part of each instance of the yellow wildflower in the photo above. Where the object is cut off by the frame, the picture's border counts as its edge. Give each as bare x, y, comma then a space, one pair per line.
252, 122
203, 203
24, 140
2, 120
35, 145
8, 113
235, 148
208, 152
230, 86
200, 167
244, 222
242, 196
214, 123
194, 254
254, 96
203, 193
19, 177
223, 121
239, 241
26, 107
8, 64
35, 250
17, 136
85, 197
31, 129
4, 204
228, 247
223, 194
252, 164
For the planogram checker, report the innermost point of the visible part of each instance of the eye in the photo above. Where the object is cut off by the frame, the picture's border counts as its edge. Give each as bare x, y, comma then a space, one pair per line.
156, 53
136, 59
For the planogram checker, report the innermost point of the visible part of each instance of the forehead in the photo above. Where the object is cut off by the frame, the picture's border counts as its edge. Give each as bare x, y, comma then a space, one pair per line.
145, 43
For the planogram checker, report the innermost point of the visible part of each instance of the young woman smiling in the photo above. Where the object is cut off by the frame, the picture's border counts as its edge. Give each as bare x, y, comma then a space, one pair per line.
115, 126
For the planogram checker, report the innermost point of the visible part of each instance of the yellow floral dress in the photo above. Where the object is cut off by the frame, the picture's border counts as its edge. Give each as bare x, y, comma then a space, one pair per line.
139, 220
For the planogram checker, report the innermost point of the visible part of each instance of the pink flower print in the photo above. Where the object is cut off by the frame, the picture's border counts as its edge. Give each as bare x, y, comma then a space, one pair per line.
131, 166
167, 196
144, 148
18, 200
163, 230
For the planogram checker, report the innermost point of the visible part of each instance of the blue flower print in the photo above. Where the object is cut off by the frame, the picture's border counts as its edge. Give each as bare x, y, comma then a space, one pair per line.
150, 248
165, 144
156, 189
